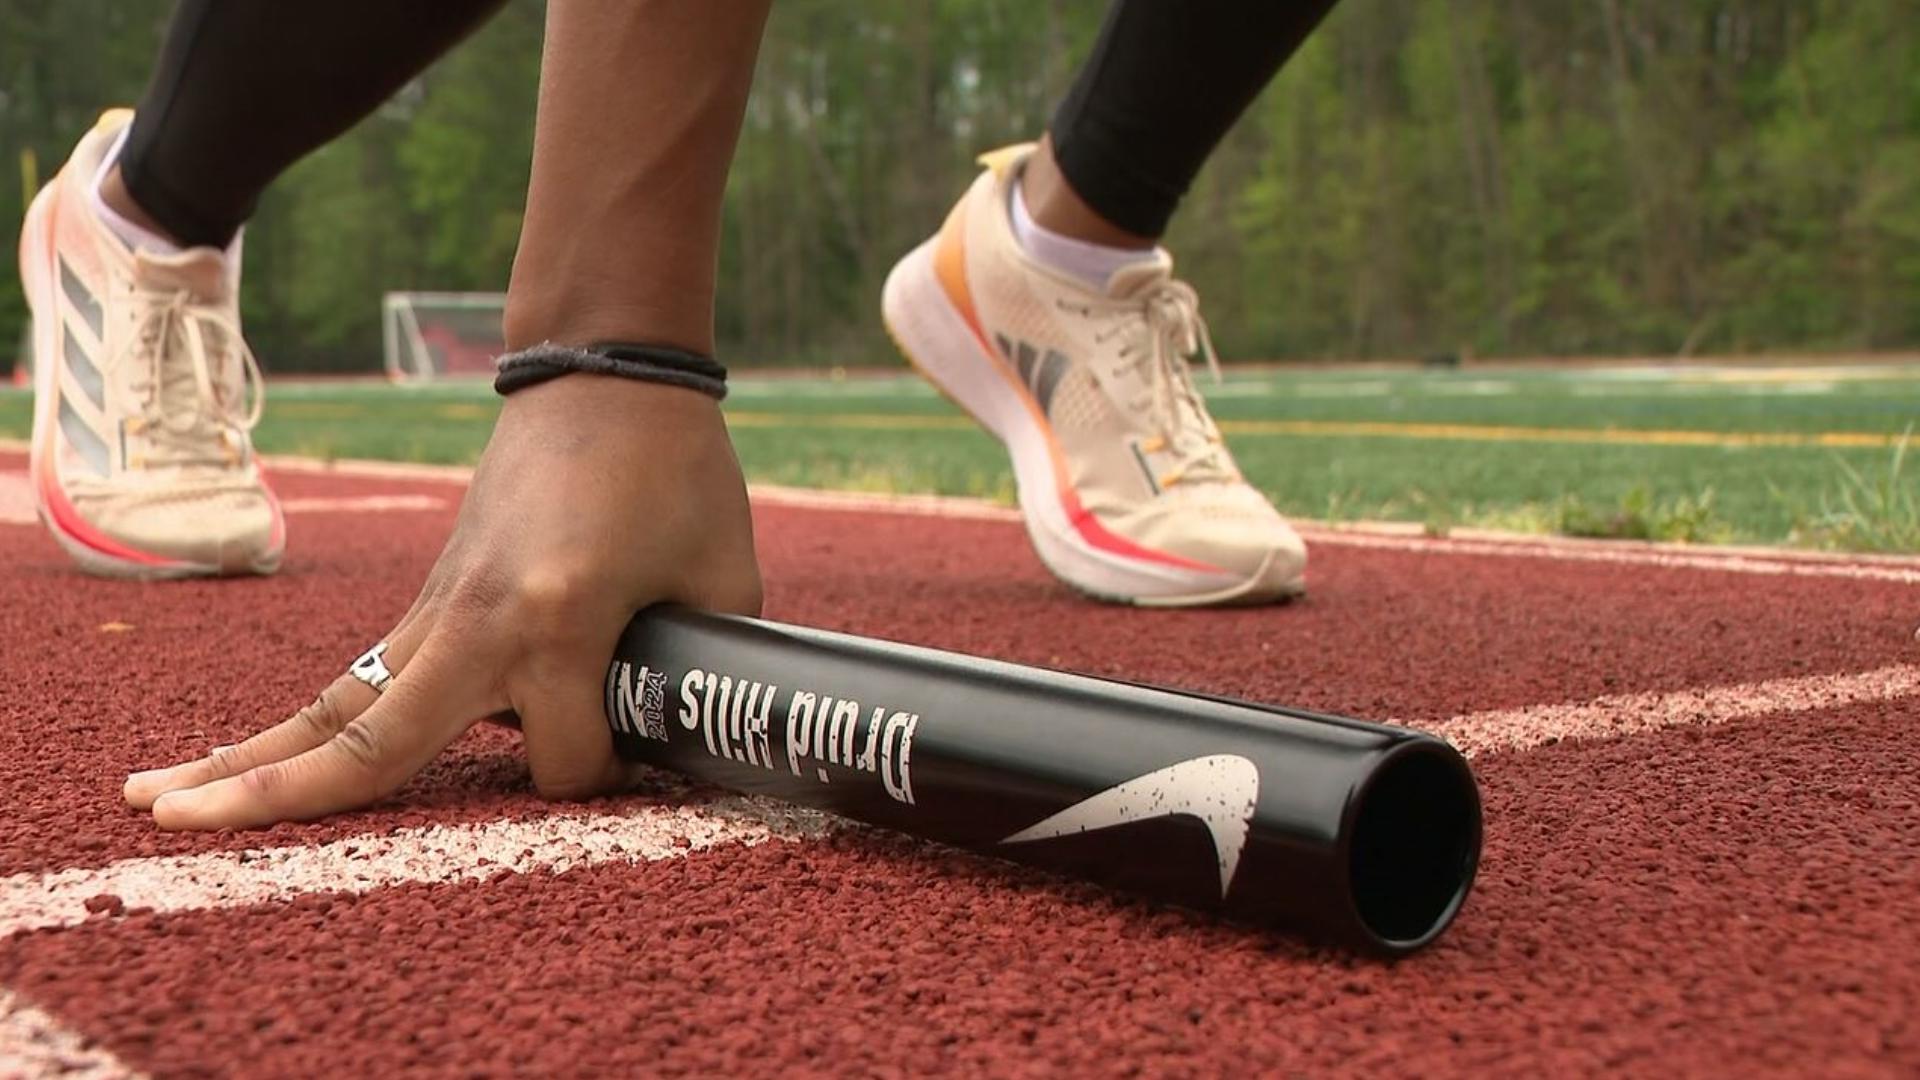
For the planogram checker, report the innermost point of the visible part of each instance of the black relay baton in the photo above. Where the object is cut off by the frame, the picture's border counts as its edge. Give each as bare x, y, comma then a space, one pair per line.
1335, 828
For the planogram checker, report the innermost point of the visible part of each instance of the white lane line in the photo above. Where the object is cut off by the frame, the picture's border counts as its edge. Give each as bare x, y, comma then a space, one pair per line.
437, 853
359, 504
1413, 532
35, 1044
16, 499
372, 470
1770, 563
1512, 730
441, 853
857, 502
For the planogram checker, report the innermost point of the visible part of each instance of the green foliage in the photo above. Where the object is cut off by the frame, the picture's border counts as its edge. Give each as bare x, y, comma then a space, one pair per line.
1688, 519
61, 62
1427, 176
1875, 510
1635, 514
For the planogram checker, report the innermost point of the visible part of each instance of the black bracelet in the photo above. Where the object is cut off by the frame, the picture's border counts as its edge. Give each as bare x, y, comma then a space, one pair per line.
646, 363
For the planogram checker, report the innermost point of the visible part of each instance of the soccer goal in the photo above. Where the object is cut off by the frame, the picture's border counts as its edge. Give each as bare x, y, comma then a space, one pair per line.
441, 335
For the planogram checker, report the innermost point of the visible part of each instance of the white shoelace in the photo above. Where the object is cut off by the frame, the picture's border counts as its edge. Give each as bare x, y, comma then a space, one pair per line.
195, 412
1161, 327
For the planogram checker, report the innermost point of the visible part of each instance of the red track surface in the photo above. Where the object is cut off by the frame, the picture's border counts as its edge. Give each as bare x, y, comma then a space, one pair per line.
1724, 899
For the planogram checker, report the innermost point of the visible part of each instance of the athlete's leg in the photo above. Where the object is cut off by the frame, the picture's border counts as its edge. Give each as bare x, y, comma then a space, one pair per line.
1163, 85
145, 393
1046, 308
242, 90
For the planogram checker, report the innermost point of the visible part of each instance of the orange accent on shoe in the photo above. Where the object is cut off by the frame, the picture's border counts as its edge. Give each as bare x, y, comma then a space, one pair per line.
950, 266
999, 160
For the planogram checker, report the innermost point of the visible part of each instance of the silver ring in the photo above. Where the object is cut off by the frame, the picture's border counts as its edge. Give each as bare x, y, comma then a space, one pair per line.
372, 670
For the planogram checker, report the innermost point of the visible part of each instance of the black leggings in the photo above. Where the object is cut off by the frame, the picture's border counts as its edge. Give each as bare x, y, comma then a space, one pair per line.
244, 89
1167, 78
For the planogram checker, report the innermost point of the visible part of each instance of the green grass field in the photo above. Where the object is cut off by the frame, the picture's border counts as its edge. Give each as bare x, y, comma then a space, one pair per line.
1805, 455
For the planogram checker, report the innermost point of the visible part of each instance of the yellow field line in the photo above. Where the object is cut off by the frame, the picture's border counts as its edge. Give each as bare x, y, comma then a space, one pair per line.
1366, 429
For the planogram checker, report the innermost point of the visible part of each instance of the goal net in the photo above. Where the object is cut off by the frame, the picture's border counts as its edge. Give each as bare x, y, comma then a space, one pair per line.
437, 335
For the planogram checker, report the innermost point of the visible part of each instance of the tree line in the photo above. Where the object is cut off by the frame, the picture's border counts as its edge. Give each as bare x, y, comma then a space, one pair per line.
1495, 177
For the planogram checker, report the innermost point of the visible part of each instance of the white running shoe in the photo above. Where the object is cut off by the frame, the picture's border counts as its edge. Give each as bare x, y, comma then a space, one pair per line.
1128, 492
145, 394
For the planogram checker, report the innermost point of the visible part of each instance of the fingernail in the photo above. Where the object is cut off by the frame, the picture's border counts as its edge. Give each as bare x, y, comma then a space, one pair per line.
177, 805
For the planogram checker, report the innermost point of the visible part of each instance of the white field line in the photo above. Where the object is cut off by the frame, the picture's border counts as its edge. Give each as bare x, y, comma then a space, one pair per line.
437, 853
1387, 536
1511, 730
35, 1044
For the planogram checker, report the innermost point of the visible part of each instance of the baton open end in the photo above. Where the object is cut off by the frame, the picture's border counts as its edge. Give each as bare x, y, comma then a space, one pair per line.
1414, 846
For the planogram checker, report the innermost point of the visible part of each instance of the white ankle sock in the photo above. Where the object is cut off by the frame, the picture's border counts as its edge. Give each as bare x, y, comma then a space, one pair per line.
136, 236
1091, 263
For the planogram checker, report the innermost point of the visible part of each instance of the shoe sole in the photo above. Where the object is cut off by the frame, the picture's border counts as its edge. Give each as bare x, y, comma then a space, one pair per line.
937, 341
37, 277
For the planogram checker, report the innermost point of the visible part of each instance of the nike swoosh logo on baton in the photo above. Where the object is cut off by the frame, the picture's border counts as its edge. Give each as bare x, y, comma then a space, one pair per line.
1219, 790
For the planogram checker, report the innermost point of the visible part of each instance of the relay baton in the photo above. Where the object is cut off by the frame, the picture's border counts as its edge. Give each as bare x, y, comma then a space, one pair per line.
1325, 826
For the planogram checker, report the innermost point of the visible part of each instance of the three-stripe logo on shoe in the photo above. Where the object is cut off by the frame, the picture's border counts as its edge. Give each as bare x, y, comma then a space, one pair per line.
78, 362
1041, 373
84, 302
1219, 789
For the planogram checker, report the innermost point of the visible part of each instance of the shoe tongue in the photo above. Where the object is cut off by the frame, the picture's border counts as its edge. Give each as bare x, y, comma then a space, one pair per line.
201, 271
1136, 277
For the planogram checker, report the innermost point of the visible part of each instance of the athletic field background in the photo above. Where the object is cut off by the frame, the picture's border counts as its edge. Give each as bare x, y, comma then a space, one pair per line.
1808, 455
1484, 177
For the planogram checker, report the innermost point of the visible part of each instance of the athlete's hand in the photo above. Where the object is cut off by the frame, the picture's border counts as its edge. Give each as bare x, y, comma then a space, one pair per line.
595, 498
